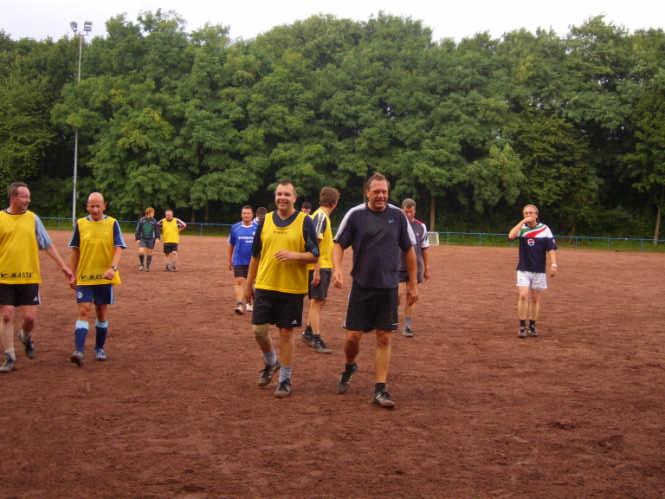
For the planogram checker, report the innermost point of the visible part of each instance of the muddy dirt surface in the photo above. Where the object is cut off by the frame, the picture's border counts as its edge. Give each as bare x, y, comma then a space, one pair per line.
176, 411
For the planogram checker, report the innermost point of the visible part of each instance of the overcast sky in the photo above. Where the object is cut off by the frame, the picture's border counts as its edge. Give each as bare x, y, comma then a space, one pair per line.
247, 18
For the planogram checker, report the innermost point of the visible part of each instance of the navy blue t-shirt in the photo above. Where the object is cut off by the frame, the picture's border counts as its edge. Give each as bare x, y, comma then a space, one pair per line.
378, 239
534, 244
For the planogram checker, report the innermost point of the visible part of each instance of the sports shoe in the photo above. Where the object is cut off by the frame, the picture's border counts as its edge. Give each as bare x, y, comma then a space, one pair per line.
240, 309
522, 333
345, 378
408, 332
320, 345
383, 399
283, 389
308, 337
249, 307
147, 269
266, 374
76, 358
532, 332
168, 267
8, 365
29, 346
100, 354
140, 268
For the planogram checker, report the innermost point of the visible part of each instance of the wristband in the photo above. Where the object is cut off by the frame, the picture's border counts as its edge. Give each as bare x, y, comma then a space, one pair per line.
555, 265
114, 267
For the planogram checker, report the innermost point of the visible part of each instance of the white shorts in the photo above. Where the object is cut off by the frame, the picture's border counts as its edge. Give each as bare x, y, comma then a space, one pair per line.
532, 280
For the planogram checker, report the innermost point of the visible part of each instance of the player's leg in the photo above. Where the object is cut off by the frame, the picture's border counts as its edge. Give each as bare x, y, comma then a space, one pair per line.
315, 307
102, 323
238, 292
308, 333
262, 316
288, 316
29, 316
142, 254
148, 254
174, 259
523, 291
84, 297
534, 310
7, 335
386, 323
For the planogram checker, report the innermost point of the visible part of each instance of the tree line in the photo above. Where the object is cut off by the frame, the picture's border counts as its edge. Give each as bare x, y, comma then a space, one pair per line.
472, 129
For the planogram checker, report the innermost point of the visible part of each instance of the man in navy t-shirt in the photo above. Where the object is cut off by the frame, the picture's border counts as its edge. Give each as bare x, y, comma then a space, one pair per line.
536, 242
379, 233
241, 238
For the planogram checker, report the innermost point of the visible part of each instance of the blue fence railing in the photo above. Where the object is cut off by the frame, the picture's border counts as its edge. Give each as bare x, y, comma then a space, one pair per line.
444, 237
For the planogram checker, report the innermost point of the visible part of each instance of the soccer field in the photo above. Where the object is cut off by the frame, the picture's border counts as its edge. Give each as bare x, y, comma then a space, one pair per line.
176, 411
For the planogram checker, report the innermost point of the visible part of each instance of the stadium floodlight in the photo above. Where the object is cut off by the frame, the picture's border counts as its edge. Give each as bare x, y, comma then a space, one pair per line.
87, 28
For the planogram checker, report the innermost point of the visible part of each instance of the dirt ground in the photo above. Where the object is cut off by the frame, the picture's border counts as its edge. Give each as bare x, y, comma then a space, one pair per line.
176, 412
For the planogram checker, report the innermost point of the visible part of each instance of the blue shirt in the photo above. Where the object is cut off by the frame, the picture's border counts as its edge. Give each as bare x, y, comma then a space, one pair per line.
241, 238
534, 244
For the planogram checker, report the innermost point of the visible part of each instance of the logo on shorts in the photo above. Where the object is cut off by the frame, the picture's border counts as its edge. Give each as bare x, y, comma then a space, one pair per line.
531, 242
391, 220
35, 299
294, 322
79, 295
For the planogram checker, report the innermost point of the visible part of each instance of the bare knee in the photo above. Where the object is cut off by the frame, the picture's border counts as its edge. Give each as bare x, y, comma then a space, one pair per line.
383, 339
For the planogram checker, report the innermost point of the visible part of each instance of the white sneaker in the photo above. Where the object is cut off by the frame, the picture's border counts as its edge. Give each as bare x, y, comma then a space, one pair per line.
249, 307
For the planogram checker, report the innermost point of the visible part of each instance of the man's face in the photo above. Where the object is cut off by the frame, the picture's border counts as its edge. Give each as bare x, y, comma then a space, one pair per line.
96, 207
21, 200
246, 215
410, 212
168, 214
377, 195
530, 214
306, 211
285, 198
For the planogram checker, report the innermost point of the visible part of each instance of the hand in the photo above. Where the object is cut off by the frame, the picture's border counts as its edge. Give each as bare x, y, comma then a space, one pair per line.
337, 278
230, 266
286, 255
69, 275
411, 293
426, 274
553, 270
316, 278
529, 219
109, 274
248, 293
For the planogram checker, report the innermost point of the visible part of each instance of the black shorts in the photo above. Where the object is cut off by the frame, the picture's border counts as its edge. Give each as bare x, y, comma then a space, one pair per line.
147, 243
170, 248
319, 292
281, 309
18, 295
240, 270
372, 308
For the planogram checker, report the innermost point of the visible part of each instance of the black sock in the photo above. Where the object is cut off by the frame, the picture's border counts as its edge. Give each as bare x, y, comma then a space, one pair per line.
308, 329
141, 259
379, 387
349, 367
522, 324
532, 325
149, 260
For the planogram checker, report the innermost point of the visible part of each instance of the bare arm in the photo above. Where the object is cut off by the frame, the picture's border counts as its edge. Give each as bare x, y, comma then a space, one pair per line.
52, 252
110, 272
73, 265
412, 269
338, 256
251, 277
426, 273
230, 256
554, 267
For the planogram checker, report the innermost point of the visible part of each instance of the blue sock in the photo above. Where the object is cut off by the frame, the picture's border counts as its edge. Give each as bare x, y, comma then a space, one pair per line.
102, 329
270, 358
284, 373
80, 333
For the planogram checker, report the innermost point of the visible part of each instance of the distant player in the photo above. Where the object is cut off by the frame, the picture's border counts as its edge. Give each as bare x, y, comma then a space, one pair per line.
536, 242
284, 243
306, 207
378, 233
170, 228
320, 273
241, 238
421, 247
97, 245
22, 235
260, 214
147, 233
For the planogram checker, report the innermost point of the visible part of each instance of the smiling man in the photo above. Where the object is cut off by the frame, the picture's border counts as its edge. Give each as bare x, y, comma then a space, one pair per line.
379, 234
284, 243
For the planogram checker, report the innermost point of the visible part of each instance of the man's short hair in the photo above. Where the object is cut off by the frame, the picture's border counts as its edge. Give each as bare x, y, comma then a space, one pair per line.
13, 188
149, 211
376, 177
531, 206
247, 207
329, 197
261, 212
408, 203
287, 182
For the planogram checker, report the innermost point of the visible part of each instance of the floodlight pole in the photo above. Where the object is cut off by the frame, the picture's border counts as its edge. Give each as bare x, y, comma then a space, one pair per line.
87, 28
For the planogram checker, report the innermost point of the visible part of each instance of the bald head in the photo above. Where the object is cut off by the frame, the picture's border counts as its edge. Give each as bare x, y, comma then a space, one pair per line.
96, 206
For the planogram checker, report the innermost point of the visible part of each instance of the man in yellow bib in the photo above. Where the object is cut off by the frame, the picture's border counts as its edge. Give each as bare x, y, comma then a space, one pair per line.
170, 227
320, 272
97, 245
284, 243
22, 235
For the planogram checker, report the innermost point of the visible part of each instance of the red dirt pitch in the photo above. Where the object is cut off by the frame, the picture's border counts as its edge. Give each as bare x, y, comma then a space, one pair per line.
176, 412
